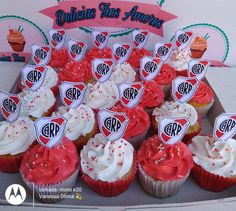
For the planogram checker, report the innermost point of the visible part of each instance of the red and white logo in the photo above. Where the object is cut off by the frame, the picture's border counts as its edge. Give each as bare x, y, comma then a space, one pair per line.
33, 76
112, 124
40, 54
225, 126
57, 38
140, 38
198, 68
50, 130
183, 38
72, 94
10, 106
150, 67
130, 93
102, 69
184, 88
163, 50
121, 52
172, 130
100, 39
76, 50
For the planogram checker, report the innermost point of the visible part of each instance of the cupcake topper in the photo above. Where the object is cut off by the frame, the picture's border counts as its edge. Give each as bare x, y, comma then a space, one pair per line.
183, 39
225, 126
102, 69
130, 93
112, 124
57, 38
172, 130
10, 106
150, 67
163, 50
140, 38
121, 52
198, 68
50, 130
40, 54
72, 94
183, 88
33, 76
76, 49
100, 39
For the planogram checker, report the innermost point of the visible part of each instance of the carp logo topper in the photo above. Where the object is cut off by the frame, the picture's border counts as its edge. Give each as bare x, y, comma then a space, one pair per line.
140, 38
172, 130
33, 76
163, 50
76, 50
10, 106
130, 93
184, 88
183, 39
198, 68
57, 38
40, 54
112, 124
225, 126
72, 94
50, 130
121, 52
100, 39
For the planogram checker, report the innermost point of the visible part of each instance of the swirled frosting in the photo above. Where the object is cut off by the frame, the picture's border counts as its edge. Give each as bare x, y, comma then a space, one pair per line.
199, 43
16, 137
166, 75
80, 121
216, 157
175, 109
139, 120
59, 58
95, 53
164, 162
42, 165
106, 160
101, 95
153, 94
15, 36
122, 73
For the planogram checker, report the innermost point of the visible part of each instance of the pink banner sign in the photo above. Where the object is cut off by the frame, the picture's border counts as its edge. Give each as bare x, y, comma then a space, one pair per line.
113, 13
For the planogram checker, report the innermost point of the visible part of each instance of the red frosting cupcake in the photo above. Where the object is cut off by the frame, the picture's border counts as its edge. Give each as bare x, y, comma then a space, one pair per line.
95, 53
77, 72
139, 123
136, 55
59, 58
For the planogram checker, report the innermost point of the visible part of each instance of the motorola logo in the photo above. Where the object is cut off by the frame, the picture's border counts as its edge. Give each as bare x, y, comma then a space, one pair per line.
15, 194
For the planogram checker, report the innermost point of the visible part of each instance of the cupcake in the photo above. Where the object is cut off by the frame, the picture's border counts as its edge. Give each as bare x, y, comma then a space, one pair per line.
165, 77
108, 167
81, 124
203, 99
136, 55
153, 95
198, 47
163, 168
51, 81
15, 139
178, 110
138, 126
214, 162
100, 96
179, 61
59, 58
51, 172
77, 71
16, 39
94, 53
40, 103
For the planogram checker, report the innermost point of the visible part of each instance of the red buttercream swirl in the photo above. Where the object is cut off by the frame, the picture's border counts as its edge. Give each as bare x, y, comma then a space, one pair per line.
42, 165
77, 71
164, 162
204, 94
136, 55
59, 58
139, 120
166, 75
95, 53
153, 94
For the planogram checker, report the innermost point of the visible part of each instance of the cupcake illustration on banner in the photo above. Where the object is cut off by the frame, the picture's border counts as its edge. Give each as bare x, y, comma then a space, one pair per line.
16, 39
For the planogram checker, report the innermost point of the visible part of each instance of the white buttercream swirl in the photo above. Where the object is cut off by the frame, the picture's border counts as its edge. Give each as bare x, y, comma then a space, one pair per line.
16, 137
105, 160
216, 157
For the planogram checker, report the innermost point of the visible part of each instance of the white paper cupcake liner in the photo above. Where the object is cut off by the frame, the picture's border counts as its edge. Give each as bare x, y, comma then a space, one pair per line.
138, 140
204, 110
53, 192
159, 189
